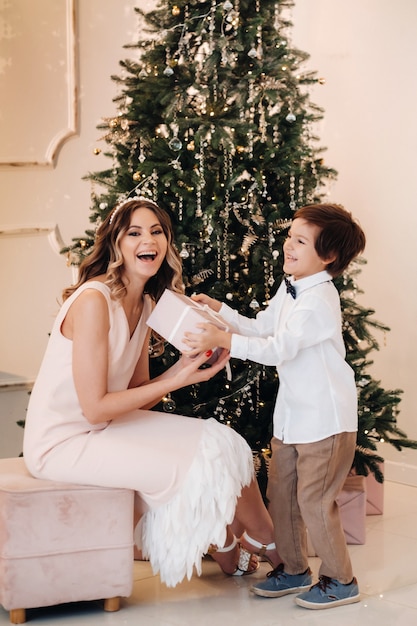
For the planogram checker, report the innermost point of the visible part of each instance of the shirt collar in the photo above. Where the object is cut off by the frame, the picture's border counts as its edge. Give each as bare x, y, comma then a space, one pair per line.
310, 281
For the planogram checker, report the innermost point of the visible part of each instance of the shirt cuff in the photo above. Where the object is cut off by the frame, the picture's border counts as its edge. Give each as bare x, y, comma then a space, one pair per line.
239, 347
226, 311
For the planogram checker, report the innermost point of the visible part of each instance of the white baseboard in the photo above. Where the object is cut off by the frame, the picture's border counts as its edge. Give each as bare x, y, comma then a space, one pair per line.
401, 473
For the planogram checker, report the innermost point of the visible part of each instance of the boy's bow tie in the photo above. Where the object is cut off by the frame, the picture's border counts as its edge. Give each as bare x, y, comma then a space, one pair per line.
290, 287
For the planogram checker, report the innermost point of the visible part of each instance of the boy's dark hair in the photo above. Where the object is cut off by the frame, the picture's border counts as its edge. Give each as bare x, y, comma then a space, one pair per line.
340, 235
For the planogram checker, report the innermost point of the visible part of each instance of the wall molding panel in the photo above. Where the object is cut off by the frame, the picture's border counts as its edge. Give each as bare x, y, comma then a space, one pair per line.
38, 81
51, 231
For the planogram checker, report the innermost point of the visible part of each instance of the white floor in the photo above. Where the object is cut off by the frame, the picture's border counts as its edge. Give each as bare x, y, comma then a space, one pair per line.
386, 568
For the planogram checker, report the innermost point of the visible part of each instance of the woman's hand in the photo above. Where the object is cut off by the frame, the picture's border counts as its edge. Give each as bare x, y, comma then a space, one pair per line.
186, 371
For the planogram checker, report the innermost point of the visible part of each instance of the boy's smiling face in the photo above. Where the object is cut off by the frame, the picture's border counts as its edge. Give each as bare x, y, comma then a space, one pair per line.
300, 256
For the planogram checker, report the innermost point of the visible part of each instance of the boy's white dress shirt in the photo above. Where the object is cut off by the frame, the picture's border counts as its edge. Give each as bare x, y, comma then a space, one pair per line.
302, 337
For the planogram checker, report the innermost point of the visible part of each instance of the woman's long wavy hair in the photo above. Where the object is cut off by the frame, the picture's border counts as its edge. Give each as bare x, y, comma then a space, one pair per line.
106, 258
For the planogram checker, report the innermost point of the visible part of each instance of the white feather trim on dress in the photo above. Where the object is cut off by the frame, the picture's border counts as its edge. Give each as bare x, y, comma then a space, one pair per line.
176, 535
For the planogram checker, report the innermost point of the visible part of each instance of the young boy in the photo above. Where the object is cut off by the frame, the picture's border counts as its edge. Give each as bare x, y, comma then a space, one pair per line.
315, 417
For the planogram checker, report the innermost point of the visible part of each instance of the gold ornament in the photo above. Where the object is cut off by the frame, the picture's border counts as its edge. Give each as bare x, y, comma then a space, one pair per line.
137, 176
176, 10
321, 81
96, 151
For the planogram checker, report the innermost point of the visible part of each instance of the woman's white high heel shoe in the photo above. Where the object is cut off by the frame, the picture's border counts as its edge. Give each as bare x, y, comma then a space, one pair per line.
245, 558
260, 549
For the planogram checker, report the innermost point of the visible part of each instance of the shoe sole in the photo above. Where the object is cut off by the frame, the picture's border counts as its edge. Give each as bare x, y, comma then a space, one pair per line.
327, 605
264, 593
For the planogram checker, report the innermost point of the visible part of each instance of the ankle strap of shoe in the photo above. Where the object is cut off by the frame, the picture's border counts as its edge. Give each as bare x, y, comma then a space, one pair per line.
214, 548
262, 547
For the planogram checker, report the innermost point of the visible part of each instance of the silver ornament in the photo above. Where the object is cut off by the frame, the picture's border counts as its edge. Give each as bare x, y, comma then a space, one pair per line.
168, 404
184, 254
175, 144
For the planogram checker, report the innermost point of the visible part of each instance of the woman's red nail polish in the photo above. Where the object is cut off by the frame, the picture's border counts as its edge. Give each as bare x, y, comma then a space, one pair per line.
209, 353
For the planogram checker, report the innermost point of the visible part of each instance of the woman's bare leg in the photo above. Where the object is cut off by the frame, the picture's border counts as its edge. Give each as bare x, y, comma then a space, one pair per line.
253, 518
253, 515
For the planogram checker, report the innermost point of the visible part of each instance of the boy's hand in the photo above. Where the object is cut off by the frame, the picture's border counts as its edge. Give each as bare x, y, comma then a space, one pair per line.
209, 338
213, 304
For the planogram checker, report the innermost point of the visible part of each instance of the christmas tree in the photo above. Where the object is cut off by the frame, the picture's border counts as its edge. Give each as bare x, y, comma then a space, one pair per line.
215, 123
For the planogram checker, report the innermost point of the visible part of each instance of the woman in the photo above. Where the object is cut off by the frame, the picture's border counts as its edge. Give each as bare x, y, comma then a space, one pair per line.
89, 421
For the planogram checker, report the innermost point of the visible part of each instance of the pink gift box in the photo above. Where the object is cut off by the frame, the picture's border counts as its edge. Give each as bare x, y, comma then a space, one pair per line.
352, 507
374, 494
176, 314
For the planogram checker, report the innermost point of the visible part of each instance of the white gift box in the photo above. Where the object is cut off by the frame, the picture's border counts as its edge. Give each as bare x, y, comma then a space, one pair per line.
175, 314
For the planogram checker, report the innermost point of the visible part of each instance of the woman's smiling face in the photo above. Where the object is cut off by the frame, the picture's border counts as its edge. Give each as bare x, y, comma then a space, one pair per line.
300, 256
144, 245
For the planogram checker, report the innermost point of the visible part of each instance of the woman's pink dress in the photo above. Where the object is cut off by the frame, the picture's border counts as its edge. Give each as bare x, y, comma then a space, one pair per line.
187, 472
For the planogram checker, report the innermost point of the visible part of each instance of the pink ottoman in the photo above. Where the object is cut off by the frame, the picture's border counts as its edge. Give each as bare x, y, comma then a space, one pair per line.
62, 542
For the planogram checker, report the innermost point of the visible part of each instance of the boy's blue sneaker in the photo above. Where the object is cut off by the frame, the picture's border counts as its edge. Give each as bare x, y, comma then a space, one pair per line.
329, 592
279, 583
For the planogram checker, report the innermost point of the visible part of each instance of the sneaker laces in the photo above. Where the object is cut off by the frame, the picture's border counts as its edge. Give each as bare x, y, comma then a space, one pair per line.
279, 571
324, 583
276, 572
